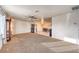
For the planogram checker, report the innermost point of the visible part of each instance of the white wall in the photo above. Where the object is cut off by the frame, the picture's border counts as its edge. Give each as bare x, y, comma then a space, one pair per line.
21, 26
63, 26
2, 30
58, 25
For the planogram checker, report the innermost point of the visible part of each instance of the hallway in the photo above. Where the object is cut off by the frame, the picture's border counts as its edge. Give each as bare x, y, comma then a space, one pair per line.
35, 43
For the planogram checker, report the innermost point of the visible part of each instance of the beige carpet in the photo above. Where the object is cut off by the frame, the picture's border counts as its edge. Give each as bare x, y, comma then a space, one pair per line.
61, 46
35, 43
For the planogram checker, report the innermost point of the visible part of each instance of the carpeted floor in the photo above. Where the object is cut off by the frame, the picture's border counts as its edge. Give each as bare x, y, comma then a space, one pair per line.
35, 43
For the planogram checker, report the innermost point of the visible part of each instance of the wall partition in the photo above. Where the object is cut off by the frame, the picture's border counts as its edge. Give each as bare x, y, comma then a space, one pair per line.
66, 26
74, 26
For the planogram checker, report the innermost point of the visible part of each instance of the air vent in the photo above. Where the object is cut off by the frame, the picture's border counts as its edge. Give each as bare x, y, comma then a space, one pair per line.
75, 8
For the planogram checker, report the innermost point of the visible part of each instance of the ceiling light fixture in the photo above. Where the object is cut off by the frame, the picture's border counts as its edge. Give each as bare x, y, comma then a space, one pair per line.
36, 11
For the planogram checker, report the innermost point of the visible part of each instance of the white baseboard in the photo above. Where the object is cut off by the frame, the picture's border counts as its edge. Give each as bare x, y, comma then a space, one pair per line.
71, 40
67, 39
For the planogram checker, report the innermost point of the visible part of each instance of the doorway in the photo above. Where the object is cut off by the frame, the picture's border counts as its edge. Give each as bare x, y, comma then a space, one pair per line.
8, 29
32, 28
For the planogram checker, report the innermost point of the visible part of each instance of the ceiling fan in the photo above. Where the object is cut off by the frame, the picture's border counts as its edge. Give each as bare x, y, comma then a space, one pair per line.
31, 18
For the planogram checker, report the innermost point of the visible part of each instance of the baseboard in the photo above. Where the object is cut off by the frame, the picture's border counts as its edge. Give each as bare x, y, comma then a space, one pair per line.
67, 39
19, 33
71, 40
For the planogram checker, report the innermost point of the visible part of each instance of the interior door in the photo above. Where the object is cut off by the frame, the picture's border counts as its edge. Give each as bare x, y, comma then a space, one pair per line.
32, 28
